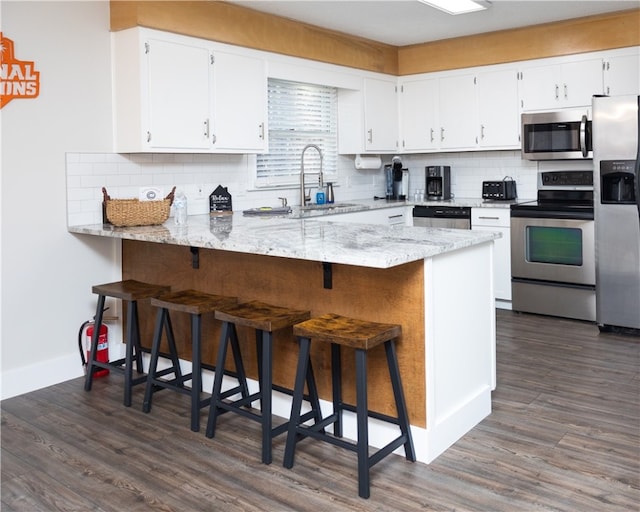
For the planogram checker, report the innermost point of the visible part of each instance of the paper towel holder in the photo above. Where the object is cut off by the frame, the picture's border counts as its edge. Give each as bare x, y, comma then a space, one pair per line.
367, 162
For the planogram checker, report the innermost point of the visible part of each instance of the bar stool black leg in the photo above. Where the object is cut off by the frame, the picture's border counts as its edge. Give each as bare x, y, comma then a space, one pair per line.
226, 332
265, 395
153, 364
336, 385
88, 381
136, 330
296, 405
237, 360
398, 393
173, 350
128, 358
362, 420
196, 373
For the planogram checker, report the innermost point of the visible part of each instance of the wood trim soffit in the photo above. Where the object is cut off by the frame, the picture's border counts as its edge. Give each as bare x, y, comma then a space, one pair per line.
253, 29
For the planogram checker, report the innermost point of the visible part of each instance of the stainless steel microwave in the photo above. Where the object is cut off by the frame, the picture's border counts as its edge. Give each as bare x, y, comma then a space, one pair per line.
558, 135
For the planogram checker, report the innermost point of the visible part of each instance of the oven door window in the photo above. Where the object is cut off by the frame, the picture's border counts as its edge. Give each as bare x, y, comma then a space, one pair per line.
554, 245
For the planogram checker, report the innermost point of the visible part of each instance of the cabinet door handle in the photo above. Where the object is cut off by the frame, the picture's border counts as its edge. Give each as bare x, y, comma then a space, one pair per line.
488, 218
557, 92
370, 135
148, 136
261, 131
566, 92
442, 134
206, 128
482, 131
432, 132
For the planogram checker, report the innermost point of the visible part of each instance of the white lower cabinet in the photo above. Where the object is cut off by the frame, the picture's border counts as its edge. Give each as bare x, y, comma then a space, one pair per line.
499, 220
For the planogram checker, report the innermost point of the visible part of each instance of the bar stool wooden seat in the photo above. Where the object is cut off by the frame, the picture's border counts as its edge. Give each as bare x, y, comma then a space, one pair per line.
130, 291
362, 336
265, 319
195, 304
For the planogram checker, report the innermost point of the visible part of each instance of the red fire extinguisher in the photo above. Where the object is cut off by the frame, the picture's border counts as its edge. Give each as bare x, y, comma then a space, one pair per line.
102, 352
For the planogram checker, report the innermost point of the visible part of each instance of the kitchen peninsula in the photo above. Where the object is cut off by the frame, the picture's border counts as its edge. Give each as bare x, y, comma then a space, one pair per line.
436, 283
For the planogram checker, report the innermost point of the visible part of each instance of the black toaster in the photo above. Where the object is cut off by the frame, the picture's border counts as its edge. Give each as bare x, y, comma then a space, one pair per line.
504, 190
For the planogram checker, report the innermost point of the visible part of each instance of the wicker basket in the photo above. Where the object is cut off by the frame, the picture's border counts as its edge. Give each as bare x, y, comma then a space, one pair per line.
133, 212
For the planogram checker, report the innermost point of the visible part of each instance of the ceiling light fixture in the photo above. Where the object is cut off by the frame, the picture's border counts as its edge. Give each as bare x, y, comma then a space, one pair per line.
458, 6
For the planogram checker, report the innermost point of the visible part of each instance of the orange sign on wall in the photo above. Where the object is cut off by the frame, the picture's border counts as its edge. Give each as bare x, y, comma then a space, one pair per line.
18, 78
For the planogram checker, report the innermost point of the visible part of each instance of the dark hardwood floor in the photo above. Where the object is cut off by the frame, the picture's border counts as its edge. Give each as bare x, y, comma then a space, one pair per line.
564, 435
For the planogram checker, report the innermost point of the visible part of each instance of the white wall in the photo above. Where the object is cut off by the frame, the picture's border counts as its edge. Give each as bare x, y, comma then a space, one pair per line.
46, 272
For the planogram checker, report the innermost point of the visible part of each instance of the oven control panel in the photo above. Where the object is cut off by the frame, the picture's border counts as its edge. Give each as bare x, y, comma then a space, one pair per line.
558, 179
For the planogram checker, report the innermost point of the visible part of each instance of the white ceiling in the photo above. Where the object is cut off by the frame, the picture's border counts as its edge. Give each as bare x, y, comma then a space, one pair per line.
404, 22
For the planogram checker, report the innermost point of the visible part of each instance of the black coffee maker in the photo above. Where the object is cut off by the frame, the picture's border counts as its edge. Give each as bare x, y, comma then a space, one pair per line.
438, 185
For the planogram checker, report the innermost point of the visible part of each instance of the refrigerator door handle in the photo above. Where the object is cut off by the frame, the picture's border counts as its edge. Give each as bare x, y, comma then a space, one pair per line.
636, 177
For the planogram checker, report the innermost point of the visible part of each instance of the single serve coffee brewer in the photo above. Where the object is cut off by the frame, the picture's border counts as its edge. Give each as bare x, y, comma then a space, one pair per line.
397, 180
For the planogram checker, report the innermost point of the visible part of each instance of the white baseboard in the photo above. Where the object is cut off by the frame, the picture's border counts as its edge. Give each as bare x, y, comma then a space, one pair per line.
40, 375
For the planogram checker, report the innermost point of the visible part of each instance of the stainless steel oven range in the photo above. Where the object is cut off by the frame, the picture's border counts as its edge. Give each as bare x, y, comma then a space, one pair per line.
553, 248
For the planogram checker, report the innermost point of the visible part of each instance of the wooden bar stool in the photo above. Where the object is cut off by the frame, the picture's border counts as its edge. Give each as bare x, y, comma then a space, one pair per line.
361, 336
130, 291
196, 304
265, 319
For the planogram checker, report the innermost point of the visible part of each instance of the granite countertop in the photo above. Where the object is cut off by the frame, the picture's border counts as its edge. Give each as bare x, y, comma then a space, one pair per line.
299, 236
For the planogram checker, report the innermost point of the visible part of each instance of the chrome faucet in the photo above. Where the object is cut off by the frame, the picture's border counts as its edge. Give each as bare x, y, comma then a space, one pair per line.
304, 198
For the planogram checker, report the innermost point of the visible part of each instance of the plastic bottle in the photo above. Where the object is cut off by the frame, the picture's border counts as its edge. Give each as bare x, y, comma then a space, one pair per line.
180, 208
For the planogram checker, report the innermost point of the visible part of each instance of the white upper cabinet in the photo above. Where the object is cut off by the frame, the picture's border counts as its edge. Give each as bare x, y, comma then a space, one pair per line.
380, 115
178, 94
240, 103
498, 111
622, 74
419, 125
458, 112
569, 84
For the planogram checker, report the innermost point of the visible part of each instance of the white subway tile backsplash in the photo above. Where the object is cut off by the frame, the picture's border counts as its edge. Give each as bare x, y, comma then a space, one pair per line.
124, 174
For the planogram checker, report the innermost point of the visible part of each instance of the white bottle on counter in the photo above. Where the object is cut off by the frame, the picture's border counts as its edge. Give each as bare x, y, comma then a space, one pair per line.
180, 208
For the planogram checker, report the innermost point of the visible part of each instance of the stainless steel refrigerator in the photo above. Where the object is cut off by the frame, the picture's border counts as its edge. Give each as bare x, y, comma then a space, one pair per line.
616, 158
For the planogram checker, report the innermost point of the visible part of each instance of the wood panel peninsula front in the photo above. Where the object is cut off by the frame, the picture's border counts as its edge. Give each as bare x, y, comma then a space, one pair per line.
436, 283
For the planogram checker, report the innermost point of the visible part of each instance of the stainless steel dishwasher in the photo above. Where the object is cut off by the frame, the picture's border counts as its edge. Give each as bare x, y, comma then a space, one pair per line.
455, 217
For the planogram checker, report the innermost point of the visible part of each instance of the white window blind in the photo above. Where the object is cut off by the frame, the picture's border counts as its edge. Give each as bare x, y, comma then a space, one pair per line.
299, 114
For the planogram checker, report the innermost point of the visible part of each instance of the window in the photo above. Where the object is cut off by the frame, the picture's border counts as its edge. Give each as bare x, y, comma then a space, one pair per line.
299, 114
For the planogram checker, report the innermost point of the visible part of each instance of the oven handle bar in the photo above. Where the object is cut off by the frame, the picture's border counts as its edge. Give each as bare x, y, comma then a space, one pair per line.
558, 284
551, 214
